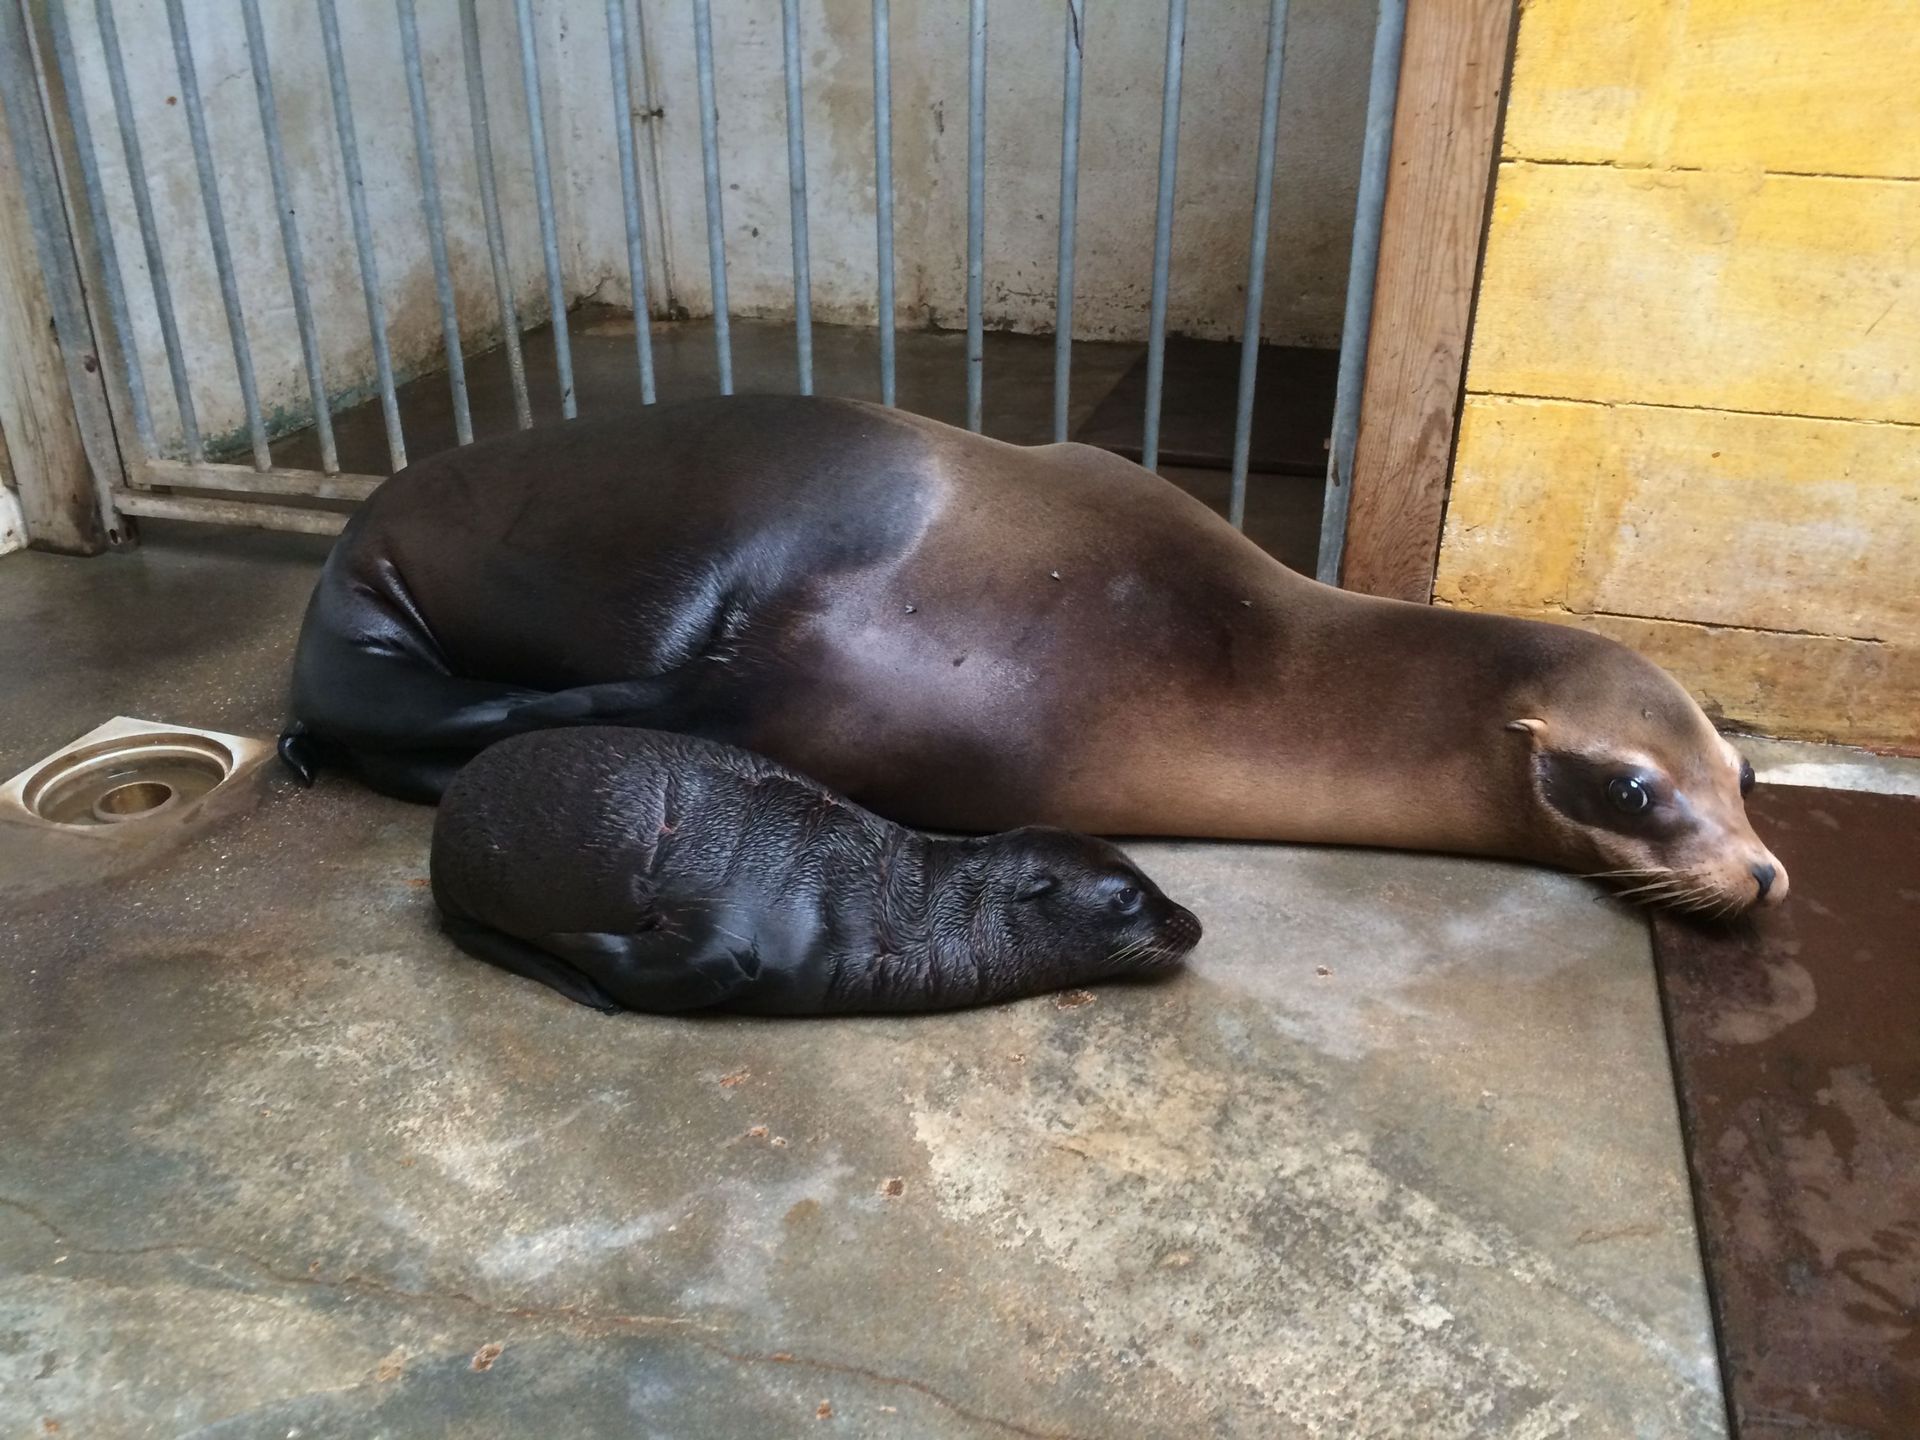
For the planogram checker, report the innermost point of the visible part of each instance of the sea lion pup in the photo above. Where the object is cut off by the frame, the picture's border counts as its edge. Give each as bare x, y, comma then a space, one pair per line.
961, 634
630, 869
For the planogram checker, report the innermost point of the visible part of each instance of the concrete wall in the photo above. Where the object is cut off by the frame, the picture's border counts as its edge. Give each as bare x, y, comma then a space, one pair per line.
1323, 108
1693, 412
382, 118
1324, 103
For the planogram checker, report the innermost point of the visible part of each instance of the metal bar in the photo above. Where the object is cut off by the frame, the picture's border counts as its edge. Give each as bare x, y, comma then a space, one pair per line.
149, 229
1163, 229
490, 207
362, 231
797, 195
245, 480
290, 236
436, 222
230, 512
976, 204
1069, 205
102, 228
883, 189
217, 231
543, 196
33, 148
1257, 262
710, 165
1382, 90
630, 193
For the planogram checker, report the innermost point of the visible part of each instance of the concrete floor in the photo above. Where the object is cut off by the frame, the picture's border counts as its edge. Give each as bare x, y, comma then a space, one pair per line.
1396, 1156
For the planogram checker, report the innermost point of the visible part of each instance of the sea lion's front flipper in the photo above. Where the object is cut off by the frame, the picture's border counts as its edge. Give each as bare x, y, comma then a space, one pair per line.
498, 948
663, 971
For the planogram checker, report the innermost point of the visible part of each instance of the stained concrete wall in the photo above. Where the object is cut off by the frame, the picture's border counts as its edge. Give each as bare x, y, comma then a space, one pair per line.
1693, 411
1323, 111
382, 118
1324, 102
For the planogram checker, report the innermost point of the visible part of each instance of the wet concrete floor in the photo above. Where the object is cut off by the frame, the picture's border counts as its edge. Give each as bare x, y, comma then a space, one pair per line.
1396, 1156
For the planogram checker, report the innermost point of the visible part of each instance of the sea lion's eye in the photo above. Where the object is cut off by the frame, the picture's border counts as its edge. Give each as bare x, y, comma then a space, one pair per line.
1629, 794
1127, 897
1746, 777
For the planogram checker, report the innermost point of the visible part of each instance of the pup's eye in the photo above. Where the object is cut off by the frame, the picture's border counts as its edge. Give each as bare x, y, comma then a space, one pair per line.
1629, 794
1127, 897
1746, 777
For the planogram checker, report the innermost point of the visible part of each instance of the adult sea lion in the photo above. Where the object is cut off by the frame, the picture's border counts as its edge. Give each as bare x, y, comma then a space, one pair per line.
634, 869
964, 634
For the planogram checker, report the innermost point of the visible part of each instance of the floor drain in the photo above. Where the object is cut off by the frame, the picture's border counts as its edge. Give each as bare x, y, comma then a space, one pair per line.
128, 802
125, 773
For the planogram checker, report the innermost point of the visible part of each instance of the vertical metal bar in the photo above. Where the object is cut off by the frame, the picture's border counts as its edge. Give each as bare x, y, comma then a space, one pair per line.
1163, 228
290, 236
490, 207
710, 165
149, 231
883, 189
543, 197
436, 222
630, 193
976, 204
1069, 205
1382, 90
102, 228
362, 231
33, 148
797, 195
1257, 261
217, 232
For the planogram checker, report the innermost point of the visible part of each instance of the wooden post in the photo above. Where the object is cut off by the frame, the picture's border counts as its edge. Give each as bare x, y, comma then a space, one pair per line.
1453, 76
53, 409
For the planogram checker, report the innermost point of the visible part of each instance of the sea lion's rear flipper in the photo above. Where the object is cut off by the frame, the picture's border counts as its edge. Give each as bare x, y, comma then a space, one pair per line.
387, 706
663, 971
498, 948
300, 753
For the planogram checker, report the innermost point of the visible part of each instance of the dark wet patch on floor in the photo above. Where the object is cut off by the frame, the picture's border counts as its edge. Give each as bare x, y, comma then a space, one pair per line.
1796, 1043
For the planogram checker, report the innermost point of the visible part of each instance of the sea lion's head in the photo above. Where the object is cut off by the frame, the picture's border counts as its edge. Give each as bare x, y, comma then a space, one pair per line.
1631, 784
1072, 903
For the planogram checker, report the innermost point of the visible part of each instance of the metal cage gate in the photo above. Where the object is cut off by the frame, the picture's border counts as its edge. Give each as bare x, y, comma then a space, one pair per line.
60, 161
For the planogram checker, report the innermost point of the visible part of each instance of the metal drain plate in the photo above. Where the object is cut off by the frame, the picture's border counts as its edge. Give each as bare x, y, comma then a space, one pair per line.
116, 779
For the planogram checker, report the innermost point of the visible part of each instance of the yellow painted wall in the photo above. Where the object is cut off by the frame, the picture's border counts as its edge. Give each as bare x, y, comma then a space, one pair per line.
1693, 408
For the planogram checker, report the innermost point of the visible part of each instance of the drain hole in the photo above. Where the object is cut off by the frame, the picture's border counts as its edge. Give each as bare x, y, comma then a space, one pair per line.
125, 802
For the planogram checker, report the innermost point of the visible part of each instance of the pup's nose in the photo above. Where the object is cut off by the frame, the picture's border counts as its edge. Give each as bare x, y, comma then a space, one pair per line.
1764, 875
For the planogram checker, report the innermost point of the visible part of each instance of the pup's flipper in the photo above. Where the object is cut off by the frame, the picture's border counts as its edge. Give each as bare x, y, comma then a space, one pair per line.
499, 948
662, 970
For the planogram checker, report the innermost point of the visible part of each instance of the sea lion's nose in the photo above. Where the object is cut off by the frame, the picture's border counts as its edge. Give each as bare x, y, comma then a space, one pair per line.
1764, 875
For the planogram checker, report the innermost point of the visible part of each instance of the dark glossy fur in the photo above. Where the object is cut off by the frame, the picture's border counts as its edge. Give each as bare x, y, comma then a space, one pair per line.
633, 869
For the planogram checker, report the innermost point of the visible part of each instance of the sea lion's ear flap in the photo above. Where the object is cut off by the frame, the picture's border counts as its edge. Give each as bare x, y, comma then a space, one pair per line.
1035, 886
1528, 727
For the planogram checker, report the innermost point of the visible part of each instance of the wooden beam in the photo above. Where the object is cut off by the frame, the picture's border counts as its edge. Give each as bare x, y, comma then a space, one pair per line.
245, 480
60, 443
46, 460
1453, 75
247, 513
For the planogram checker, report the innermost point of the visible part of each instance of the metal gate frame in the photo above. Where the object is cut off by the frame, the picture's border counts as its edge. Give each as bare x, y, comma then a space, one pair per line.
66, 205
